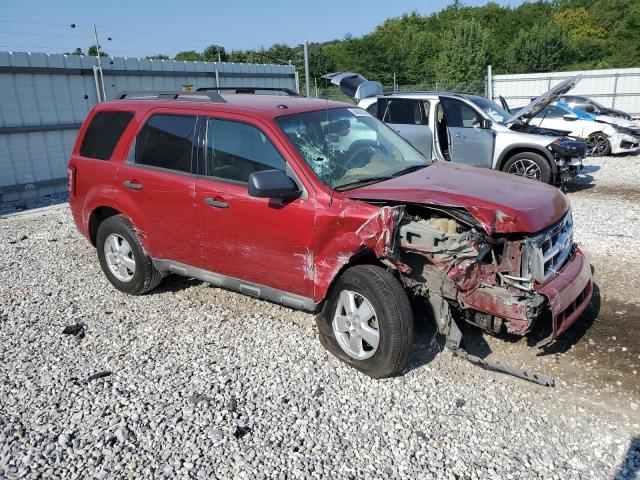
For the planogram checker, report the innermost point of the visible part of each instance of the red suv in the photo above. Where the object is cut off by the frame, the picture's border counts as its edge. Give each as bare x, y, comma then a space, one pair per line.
319, 206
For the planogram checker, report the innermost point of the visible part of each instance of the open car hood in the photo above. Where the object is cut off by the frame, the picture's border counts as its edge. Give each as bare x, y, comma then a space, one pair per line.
354, 85
540, 103
501, 203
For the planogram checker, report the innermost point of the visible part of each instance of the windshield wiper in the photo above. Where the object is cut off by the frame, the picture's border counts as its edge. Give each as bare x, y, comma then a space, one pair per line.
410, 169
360, 183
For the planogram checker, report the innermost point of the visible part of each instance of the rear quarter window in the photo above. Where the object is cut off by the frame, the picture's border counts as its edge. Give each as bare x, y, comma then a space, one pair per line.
103, 134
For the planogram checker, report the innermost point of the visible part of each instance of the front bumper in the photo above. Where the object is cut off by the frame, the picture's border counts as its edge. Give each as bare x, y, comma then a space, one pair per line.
623, 143
568, 293
565, 295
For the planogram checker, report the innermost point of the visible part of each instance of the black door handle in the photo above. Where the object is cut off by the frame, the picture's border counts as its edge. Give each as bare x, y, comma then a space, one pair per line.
214, 203
133, 185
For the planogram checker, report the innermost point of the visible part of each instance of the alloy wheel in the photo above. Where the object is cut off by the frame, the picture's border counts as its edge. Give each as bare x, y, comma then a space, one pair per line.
355, 325
596, 145
526, 168
119, 256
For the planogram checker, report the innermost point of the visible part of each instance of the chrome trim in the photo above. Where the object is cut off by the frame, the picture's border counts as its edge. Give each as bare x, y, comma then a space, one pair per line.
248, 288
548, 251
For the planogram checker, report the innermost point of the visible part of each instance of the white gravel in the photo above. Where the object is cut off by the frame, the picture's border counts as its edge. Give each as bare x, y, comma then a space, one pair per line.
206, 383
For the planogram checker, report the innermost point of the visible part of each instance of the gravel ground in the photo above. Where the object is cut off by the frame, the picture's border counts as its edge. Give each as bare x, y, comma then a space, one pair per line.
192, 381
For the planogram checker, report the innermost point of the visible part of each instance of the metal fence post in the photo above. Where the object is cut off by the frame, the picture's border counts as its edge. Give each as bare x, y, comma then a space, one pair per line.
489, 83
307, 80
615, 91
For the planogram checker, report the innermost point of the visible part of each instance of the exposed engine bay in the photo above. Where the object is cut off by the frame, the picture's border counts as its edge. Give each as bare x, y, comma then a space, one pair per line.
466, 275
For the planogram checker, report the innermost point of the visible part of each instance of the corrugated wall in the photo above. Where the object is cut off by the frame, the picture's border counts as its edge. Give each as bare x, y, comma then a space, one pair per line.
44, 98
616, 88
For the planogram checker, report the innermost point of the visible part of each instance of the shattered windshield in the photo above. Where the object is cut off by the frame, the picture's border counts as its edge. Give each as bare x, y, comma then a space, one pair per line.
348, 147
495, 111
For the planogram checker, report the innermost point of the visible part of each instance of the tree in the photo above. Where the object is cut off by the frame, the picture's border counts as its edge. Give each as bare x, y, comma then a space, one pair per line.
464, 56
77, 51
543, 48
159, 56
210, 53
93, 51
190, 55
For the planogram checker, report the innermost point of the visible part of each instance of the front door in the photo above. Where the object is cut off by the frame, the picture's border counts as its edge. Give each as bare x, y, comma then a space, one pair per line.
259, 240
156, 187
469, 143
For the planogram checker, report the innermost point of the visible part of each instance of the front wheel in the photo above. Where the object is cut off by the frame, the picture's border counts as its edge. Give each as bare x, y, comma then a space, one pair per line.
598, 145
529, 165
367, 322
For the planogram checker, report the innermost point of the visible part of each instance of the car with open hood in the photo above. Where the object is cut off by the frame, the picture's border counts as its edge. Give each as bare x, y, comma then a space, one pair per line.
589, 105
604, 134
469, 129
319, 206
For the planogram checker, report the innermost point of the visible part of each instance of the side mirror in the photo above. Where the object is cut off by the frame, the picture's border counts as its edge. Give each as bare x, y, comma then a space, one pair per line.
272, 184
570, 117
485, 123
590, 109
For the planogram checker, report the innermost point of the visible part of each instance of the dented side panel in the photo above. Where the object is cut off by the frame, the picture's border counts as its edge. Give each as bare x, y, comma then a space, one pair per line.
345, 229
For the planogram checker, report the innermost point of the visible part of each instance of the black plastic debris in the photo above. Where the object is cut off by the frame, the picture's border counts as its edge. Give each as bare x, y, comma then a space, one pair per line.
241, 432
97, 376
77, 330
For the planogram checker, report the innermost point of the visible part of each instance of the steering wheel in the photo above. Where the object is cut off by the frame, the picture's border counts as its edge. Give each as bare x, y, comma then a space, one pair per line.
360, 147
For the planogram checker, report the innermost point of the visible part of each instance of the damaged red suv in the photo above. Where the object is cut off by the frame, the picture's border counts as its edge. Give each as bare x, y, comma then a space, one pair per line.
319, 206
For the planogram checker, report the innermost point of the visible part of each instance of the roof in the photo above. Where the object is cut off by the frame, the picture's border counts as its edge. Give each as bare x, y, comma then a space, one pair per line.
266, 106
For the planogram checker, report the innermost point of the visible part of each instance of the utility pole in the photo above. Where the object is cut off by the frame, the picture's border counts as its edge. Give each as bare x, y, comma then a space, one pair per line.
306, 68
95, 33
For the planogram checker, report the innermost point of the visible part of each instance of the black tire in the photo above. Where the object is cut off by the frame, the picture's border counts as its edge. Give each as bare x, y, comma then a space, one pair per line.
598, 145
542, 172
145, 277
393, 314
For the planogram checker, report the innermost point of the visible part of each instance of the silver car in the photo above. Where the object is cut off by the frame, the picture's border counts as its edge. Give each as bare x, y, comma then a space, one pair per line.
473, 130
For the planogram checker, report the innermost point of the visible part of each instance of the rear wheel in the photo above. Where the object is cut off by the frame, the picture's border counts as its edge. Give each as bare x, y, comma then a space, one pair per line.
367, 322
529, 165
122, 258
598, 145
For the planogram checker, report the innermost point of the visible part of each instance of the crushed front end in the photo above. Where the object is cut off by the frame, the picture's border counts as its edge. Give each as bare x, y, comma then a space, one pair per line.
568, 154
500, 283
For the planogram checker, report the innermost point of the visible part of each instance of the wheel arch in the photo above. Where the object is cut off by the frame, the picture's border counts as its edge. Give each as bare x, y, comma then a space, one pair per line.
97, 216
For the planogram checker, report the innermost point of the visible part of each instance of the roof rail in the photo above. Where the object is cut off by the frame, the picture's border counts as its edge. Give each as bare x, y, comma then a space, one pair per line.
203, 96
251, 90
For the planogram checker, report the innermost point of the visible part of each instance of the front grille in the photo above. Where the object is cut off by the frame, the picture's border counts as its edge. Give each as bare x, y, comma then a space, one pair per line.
548, 251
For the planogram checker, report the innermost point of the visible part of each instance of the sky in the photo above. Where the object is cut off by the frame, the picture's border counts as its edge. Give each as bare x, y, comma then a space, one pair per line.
137, 28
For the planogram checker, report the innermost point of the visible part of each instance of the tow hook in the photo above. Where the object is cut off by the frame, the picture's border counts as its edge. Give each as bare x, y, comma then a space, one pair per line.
453, 343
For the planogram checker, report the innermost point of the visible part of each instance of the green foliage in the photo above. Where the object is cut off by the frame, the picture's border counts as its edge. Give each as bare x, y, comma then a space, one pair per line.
213, 52
542, 48
93, 51
190, 55
77, 51
464, 60
159, 56
454, 45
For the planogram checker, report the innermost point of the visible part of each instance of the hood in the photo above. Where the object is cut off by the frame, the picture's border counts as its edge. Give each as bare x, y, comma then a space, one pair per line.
540, 103
500, 202
354, 85
615, 113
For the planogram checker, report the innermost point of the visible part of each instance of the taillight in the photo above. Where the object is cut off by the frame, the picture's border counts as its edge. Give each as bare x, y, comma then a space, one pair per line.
71, 177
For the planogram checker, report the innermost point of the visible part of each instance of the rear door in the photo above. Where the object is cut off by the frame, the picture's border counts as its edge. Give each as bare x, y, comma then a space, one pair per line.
156, 186
408, 117
259, 240
469, 143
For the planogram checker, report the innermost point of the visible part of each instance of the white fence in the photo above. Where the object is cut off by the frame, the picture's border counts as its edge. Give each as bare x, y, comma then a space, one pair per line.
615, 88
44, 99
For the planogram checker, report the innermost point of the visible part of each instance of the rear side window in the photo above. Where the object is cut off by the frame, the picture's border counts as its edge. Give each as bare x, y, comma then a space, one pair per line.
166, 141
103, 134
235, 150
400, 111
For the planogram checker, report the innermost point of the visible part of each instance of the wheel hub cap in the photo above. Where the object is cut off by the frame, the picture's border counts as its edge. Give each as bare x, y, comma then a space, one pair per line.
355, 325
